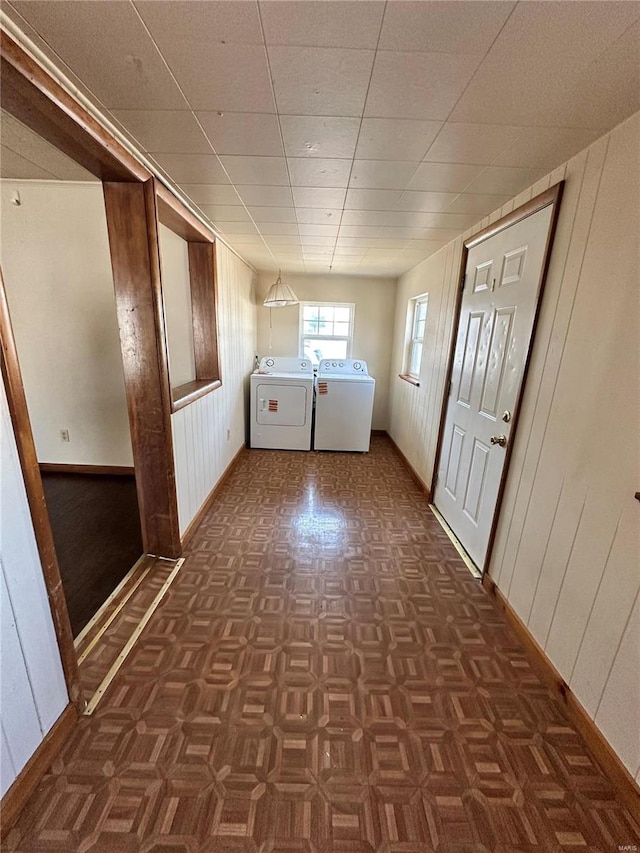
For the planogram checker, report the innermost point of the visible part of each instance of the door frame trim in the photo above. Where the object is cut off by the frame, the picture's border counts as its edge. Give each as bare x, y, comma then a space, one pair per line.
551, 196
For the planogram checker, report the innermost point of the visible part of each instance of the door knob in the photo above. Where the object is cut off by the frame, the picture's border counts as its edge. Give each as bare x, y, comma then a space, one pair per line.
499, 439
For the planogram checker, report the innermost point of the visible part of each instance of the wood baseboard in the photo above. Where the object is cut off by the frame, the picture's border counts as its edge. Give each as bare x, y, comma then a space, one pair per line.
378, 432
621, 779
414, 474
211, 497
29, 777
64, 468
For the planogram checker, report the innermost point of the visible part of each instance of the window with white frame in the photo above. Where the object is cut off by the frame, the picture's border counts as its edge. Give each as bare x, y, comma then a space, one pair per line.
326, 330
416, 322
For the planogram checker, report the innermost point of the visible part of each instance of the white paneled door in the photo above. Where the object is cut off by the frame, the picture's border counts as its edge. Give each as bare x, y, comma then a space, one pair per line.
501, 288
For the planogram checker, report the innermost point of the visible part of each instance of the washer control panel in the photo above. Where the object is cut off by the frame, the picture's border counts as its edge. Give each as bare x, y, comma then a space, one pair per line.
345, 366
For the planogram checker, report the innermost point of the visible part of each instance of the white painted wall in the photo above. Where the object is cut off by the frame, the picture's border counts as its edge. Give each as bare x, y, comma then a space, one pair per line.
57, 271
208, 433
374, 300
567, 550
33, 693
174, 260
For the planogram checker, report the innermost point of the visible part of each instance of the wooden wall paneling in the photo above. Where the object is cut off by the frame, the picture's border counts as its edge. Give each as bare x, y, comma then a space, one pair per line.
135, 258
19, 414
31, 95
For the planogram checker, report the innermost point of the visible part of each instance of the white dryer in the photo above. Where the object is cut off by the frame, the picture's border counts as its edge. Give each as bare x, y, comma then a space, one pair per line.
344, 405
282, 403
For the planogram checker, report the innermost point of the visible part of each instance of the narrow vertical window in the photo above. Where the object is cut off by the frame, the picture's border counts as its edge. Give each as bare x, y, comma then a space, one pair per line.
416, 322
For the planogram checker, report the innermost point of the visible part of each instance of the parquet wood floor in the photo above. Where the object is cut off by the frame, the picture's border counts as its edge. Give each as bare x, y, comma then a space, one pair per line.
324, 675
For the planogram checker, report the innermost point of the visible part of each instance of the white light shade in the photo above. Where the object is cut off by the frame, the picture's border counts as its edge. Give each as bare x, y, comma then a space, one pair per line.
280, 295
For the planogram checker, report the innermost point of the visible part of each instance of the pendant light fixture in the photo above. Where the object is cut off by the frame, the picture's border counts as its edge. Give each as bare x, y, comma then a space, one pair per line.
280, 295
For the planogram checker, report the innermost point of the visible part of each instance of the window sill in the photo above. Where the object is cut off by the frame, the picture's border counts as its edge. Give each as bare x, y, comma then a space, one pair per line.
184, 395
409, 379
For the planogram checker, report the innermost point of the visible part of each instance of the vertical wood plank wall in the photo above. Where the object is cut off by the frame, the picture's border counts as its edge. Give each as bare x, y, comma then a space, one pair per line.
567, 550
33, 690
202, 450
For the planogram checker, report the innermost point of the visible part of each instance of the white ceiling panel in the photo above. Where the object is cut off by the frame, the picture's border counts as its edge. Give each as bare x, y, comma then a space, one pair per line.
504, 179
381, 174
361, 231
317, 240
318, 172
106, 45
283, 240
436, 82
236, 227
268, 171
424, 201
268, 196
318, 215
319, 23
243, 133
311, 80
273, 214
319, 136
27, 155
444, 177
191, 21
372, 199
364, 217
545, 147
471, 143
318, 197
192, 168
168, 131
479, 205
317, 230
212, 193
395, 139
444, 27
278, 228
225, 213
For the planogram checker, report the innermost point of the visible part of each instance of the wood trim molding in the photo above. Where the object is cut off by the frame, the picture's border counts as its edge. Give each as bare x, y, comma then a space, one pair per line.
31, 95
64, 468
412, 471
188, 393
610, 763
551, 196
202, 279
135, 261
35, 496
177, 218
410, 379
195, 521
29, 777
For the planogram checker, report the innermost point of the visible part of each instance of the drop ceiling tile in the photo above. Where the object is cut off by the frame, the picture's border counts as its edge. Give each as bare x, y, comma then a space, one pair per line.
269, 196
360, 231
522, 75
211, 193
461, 142
372, 199
395, 139
319, 136
368, 242
317, 252
318, 215
169, 131
107, 47
424, 201
283, 240
215, 76
321, 24
433, 235
381, 174
477, 204
192, 168
418, 219
316, 240
318, 197
243, 239
364, 217
318, 230
402, 233
243, 133
279, 228
224, 212
444, 177
437, 81
317, 172
498, 180
546, 147
320, 81
190, 21
13, 165
47, 160
236, 227
273, 214
268, 171
445, 27
348, 252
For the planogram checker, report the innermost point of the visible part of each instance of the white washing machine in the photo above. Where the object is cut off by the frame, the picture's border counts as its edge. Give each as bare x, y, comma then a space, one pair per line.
344, 405
282, 403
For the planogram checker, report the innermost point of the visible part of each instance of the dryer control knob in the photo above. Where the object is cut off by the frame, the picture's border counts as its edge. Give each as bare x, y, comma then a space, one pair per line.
269, 362
356, 365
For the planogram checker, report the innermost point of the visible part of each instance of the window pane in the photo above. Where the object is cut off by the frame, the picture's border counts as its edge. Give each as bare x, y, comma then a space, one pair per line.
311, 327
318, 348
341, 329
422, 310
310, 312
419, 333
343, 315
326, 313
415, 359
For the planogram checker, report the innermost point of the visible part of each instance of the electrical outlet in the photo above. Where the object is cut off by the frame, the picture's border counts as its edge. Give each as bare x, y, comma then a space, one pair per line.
64, 435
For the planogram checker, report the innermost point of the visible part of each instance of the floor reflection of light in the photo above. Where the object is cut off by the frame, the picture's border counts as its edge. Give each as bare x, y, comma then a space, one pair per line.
317, 527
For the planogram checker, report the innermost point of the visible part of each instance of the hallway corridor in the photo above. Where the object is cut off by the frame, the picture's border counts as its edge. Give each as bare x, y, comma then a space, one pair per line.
324, 675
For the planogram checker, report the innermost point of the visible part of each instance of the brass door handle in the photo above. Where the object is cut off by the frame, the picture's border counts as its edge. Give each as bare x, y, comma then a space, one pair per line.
499, 439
